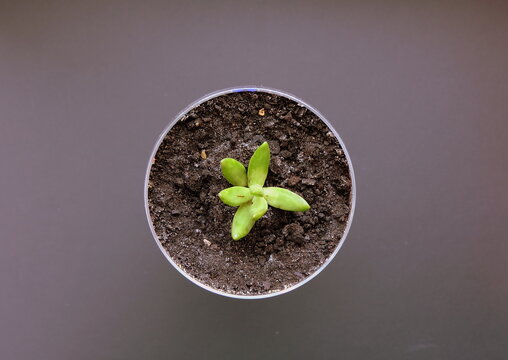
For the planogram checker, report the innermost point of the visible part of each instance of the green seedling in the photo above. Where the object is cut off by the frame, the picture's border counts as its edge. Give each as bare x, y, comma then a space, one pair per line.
249, 195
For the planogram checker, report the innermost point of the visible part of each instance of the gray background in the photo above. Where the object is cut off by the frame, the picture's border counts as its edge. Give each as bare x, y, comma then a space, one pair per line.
418, 92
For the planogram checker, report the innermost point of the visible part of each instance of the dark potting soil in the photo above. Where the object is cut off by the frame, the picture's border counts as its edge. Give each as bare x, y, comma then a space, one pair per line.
193, 225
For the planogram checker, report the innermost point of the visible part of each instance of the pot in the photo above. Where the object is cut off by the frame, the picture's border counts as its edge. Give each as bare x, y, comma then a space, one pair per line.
161, 237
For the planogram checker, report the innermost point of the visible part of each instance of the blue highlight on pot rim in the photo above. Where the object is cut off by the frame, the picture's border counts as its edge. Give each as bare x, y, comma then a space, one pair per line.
245, 89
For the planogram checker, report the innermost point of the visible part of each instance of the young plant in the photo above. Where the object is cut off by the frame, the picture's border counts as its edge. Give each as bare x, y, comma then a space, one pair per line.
249, 194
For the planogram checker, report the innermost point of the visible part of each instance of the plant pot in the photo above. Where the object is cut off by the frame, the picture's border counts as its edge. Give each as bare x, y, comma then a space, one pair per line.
192, 227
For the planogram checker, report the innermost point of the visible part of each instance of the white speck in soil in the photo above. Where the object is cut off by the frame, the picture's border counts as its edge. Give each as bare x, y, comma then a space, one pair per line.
309, 182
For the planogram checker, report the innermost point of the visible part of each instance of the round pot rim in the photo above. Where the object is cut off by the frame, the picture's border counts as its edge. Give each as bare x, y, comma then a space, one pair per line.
249, 89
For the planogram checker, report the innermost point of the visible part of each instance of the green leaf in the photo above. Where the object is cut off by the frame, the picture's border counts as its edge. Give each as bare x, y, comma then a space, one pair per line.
242, 222
235, 196
234, 172
284, 199
258, 165
259, 207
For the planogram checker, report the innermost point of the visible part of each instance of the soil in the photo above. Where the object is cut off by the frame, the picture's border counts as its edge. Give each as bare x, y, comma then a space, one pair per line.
193, 225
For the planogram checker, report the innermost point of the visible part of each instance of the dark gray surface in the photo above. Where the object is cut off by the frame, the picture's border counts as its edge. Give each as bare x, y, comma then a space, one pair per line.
419, 95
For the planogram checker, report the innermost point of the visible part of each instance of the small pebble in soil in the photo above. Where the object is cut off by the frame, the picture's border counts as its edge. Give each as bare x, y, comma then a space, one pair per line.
207, 242
301, 111
294, 232
287, 117
293, 180
299, 274
285, 154
309, 182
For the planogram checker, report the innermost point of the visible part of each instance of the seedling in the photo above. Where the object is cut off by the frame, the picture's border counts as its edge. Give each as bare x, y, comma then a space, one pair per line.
249, 195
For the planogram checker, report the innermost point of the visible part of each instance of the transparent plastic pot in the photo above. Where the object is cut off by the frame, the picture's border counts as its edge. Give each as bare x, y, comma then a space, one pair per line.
250, 89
